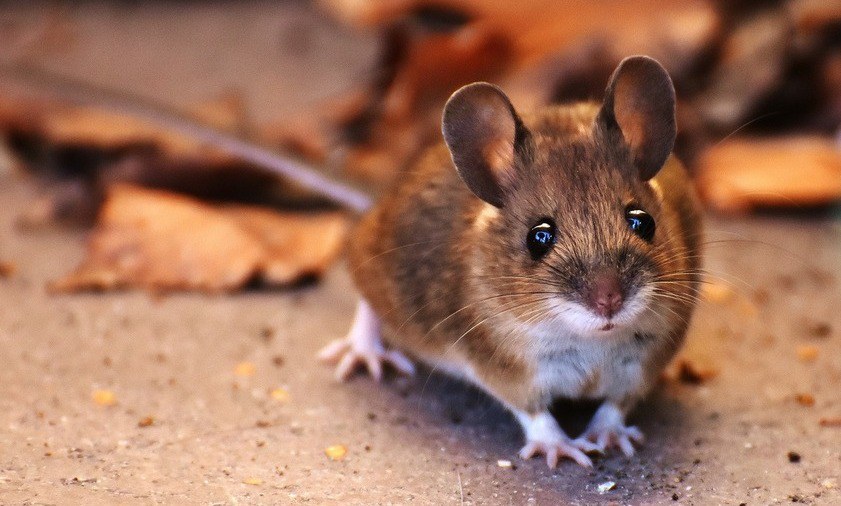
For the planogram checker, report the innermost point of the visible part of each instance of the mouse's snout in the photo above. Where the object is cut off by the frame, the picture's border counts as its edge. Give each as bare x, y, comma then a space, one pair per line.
604, 295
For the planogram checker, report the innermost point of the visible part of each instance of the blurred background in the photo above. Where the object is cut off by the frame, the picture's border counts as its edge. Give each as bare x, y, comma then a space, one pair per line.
99, 198
355, 90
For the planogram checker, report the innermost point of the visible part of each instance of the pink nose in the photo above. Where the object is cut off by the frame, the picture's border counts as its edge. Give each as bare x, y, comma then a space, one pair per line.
605, 295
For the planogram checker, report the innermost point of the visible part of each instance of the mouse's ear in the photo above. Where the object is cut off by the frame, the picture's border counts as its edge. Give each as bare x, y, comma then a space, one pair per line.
640, 102
486, 138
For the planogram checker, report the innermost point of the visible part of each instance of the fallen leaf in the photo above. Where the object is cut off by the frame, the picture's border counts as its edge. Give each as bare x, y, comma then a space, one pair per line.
335, 452
163, 242
295, 246
104, 397
830, 422
807, 400
741, 174
146, 421
253, 481
60, 123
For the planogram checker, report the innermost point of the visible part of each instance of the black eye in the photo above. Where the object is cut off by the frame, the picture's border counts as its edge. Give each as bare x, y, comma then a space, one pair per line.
541, 238
641, 223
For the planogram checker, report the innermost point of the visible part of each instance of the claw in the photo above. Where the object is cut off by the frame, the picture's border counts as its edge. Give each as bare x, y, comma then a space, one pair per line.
363, 346
607, 429
545, 436
587, 446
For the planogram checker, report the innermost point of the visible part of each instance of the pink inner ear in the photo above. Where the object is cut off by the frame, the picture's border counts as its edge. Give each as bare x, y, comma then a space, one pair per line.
497, 141
631, 111
498, 154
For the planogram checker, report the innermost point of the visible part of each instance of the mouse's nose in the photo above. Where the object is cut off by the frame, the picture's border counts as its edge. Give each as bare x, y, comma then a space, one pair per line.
605, 294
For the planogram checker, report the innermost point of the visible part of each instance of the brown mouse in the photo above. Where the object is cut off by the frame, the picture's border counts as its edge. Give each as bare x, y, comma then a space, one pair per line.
547, 255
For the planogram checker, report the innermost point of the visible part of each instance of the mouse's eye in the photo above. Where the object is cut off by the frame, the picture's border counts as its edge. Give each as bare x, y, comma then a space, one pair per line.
540, 239
641, 223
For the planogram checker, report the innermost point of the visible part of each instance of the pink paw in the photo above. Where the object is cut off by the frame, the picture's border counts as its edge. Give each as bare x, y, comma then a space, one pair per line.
544, 436
607, 430
363, 346
348, 356
574, 449
621, 437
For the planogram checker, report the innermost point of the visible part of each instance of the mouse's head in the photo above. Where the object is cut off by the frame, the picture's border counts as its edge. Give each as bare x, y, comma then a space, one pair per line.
571, 227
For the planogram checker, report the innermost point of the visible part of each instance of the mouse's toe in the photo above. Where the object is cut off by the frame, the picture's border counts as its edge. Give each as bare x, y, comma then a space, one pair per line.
363, 346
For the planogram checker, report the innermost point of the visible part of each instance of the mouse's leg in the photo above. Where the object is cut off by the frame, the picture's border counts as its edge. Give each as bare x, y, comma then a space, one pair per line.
607, 429
545, 436
363, 345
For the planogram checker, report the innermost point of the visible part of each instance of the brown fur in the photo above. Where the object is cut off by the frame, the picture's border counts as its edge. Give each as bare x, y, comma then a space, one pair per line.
442, 283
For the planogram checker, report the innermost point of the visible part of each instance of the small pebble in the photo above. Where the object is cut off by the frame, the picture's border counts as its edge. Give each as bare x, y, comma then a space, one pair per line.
807, 400
807, 353
245, 369
793, 457
606, 486
104, 397
280, 395
335, 452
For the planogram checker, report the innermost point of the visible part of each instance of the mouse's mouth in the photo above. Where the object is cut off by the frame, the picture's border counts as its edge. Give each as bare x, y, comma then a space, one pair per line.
584, 320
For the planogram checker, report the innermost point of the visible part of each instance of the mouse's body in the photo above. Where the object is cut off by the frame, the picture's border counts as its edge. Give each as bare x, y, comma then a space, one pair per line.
537, 257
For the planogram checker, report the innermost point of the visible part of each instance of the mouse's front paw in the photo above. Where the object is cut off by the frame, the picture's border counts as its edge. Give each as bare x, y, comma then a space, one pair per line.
364, 346
555, 449
545, 437
607, 429
348, 354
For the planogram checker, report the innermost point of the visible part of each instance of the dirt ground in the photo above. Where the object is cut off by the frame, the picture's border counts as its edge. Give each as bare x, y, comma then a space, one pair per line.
188, 427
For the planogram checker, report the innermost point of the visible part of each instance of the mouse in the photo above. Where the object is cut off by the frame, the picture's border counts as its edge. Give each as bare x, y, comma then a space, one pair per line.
541, 255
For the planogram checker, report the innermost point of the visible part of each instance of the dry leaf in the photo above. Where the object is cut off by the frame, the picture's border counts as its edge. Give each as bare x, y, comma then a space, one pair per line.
295, 246
741, 174
253, 481
146, 421
102, 128
162, 242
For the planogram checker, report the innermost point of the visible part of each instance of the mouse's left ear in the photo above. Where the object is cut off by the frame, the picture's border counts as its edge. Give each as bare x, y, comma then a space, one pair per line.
487, 140
640, 103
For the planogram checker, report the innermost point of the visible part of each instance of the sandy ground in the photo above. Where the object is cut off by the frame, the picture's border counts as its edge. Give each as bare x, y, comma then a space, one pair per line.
218, 437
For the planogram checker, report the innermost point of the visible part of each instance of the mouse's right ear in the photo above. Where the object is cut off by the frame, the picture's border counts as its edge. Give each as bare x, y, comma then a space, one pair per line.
640, 104
486, 138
